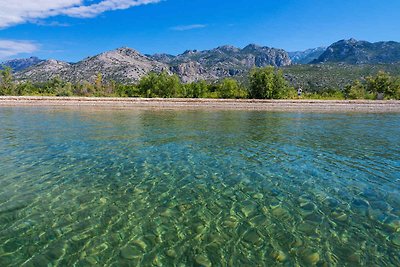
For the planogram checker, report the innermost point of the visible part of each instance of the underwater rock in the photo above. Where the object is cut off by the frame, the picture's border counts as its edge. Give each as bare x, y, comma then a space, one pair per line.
90, 261
354, 258
307, 228
275, 204
231, 222
307, 208
184, 207
360, 205
203, 261
252, 237
280, 213
171, 253
339, 216
259, 220
279, 255
103, 200
395, 239
130, 252
312, 258
380, 205
248, 208
392, 223
258, 196
331, 202
140, 243
314, 218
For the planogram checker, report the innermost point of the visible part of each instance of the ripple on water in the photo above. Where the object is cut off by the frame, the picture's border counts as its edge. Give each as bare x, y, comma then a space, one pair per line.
198, 188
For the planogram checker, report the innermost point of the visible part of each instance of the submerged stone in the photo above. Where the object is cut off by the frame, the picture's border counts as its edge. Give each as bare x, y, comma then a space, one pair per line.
171, 253
312, 258
279, 255
252, 237
130, 252
392, 223
339, 216
203, 261
258, 196
395, 239
307, 228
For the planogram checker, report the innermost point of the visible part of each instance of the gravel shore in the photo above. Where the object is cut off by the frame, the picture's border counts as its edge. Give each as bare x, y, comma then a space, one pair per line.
222, 104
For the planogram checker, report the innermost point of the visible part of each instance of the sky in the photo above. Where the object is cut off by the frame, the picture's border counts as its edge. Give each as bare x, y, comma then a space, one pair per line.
72, 30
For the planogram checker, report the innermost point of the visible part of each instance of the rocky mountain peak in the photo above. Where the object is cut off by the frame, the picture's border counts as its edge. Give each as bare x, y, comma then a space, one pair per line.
228, 49
21, 64
251, 47
361, 52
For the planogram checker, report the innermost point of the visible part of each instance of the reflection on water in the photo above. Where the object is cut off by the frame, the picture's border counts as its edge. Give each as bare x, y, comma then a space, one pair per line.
198, 188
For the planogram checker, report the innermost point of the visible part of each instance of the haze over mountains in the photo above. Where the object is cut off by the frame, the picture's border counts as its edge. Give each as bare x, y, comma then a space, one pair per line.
127, 65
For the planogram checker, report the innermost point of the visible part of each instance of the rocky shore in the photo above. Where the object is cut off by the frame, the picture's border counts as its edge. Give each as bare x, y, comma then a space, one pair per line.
222, 104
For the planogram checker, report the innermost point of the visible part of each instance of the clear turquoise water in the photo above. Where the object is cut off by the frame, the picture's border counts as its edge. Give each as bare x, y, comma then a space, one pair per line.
198, 188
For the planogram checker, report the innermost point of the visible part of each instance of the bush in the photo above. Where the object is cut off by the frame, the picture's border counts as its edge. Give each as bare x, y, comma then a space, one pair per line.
159, 85
355, 91
230, 88
267, 83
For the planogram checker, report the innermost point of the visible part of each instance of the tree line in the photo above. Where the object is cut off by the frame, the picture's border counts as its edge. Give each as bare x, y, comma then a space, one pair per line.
261, 83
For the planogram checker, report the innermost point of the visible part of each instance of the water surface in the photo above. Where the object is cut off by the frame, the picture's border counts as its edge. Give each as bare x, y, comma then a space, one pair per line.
198, 188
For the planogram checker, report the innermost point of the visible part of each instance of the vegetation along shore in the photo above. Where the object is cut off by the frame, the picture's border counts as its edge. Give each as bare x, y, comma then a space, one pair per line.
260, 83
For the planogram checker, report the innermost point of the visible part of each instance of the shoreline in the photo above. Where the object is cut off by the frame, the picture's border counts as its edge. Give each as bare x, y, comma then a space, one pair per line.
371, 106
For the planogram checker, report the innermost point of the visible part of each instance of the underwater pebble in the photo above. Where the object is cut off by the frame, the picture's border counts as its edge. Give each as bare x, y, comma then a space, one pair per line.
258, 196
91, 260
339, 216
354, 258
279, 212
130, 252
252, 237
393, 224
312, 258
171, 253
395, 238
203, 261
279, 255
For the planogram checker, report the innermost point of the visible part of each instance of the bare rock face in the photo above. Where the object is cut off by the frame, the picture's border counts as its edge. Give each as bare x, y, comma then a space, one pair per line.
123, 65
361, 52
45, 71
127, 65
189, 71
225, 61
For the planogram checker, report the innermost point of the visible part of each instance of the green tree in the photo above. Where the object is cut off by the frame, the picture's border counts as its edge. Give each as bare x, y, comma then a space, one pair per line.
356, 90
266, 83
230, 88
6, 79
159, 85
379, 84
98, 83
396, 87
195, 89
65, 90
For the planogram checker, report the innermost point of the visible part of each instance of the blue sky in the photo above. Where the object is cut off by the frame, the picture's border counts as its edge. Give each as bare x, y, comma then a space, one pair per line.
73, 29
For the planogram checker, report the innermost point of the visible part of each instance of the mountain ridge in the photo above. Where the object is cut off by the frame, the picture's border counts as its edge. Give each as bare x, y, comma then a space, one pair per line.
127, 65
356, 52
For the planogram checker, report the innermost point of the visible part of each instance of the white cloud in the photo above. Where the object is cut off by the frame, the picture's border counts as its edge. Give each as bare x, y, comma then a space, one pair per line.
14, 12
188, 27
10, 48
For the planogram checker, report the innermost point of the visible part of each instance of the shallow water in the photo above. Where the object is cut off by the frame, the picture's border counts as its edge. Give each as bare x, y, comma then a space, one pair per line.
198, 188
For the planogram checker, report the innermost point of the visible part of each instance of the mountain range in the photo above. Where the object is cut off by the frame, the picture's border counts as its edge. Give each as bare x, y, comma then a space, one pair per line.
128, 65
